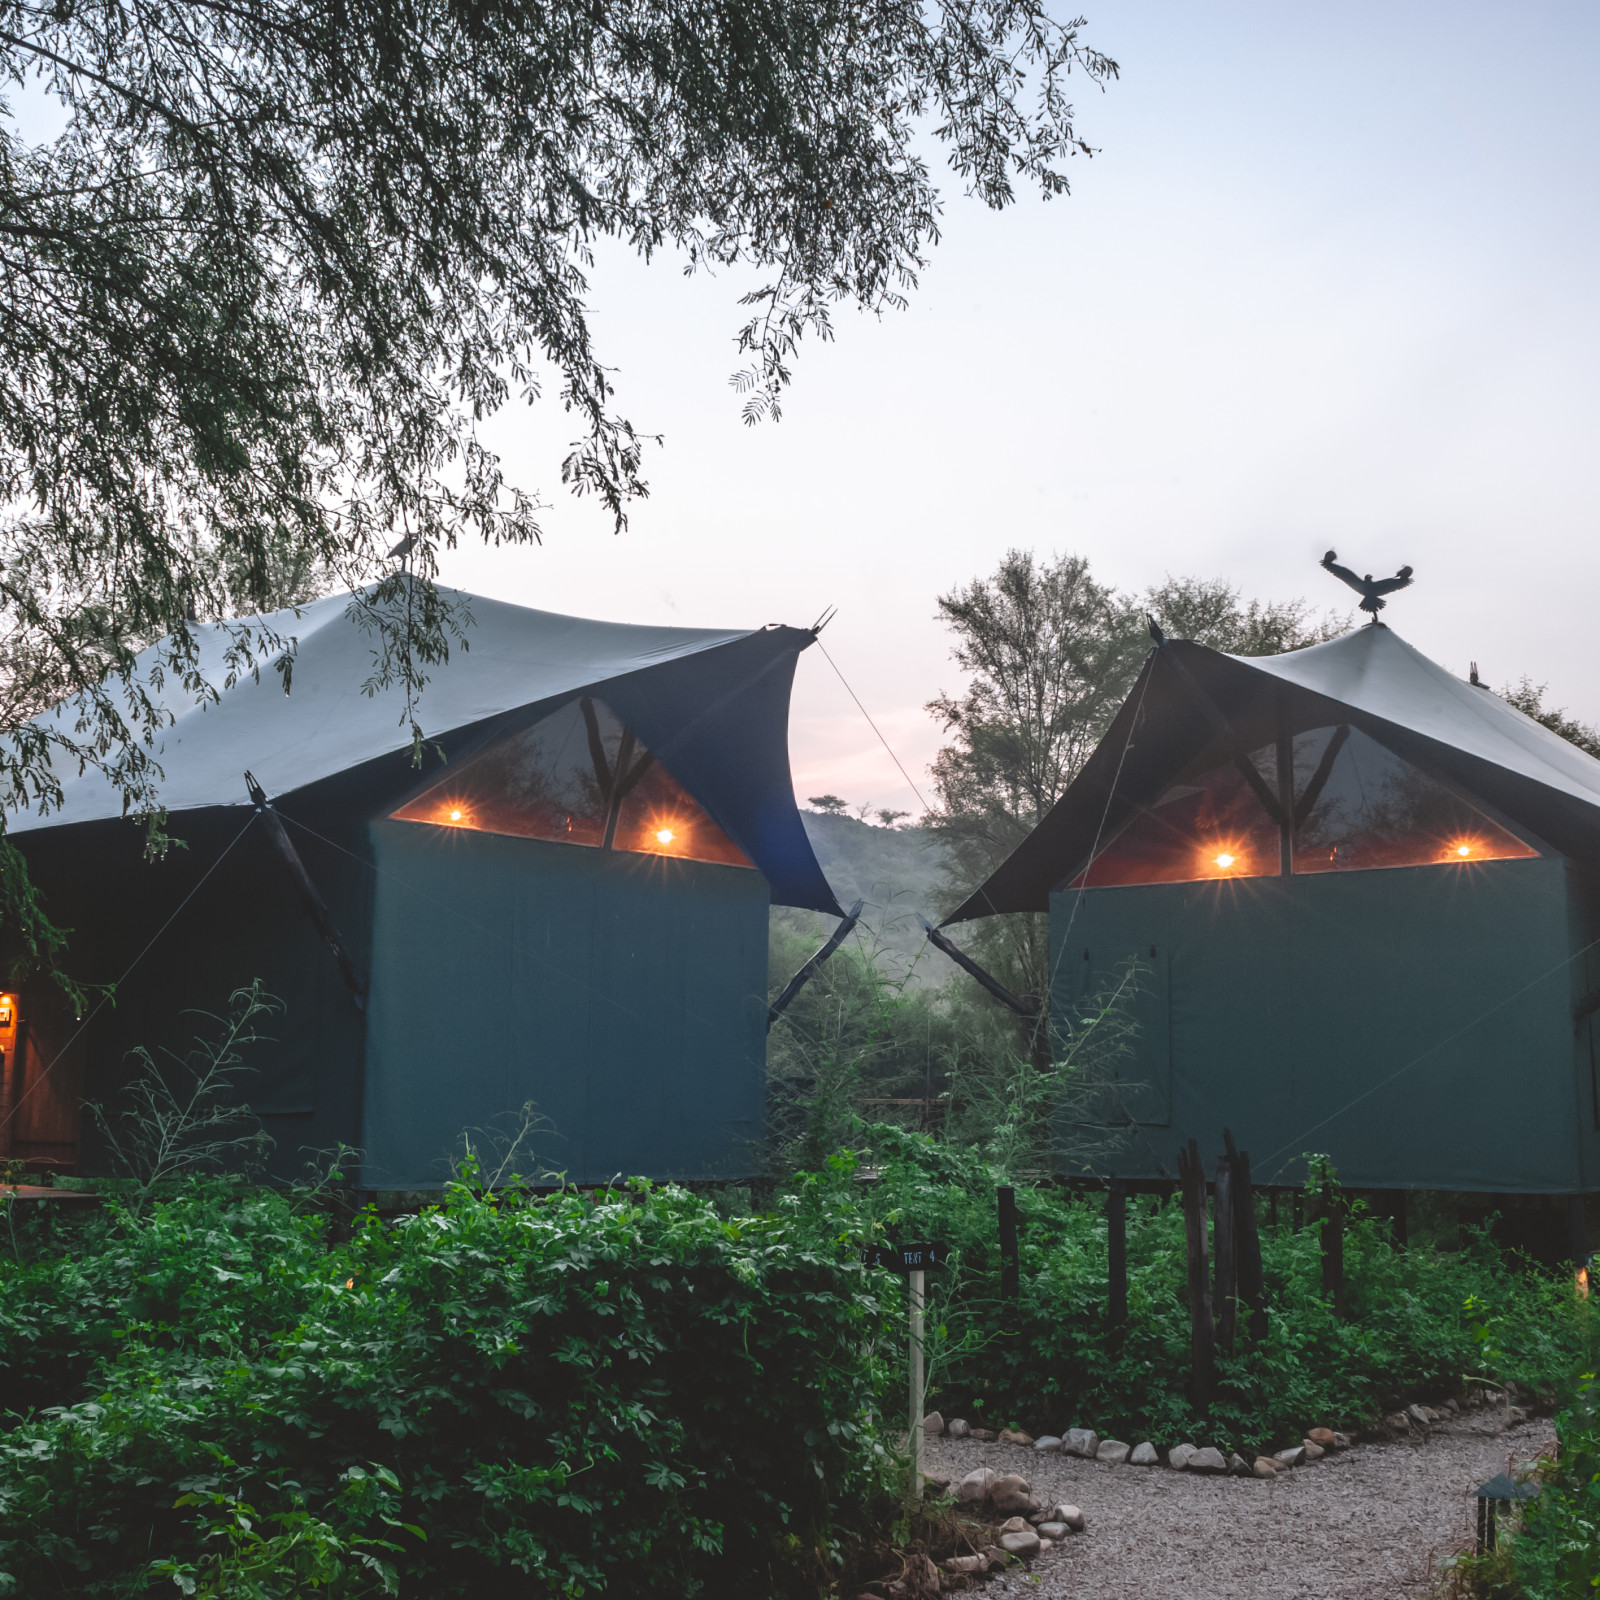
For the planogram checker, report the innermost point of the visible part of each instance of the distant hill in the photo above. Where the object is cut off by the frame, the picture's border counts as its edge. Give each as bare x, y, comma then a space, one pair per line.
895, 870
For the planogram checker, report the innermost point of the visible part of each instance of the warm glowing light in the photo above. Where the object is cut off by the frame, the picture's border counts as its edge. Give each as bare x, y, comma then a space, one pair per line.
1581, 1283
349, 1283
1463, 849
665, 836
1224, 860
455, 814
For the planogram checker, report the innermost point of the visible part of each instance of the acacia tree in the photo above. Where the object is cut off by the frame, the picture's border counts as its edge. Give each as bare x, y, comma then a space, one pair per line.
259, 297
1050, 655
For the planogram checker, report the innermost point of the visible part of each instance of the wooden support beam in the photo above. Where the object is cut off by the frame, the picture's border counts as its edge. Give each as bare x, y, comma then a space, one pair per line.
1006, 1205
809, 970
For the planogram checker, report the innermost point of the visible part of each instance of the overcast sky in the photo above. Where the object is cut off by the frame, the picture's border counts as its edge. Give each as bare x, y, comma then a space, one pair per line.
1331, 280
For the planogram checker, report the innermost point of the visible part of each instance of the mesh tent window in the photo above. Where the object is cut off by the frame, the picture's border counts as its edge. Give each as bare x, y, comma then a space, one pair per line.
1209, 826
579, 777
1358, 807
1369, 809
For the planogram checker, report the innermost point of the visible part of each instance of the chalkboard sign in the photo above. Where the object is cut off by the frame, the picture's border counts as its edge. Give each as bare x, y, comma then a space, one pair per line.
907, 1258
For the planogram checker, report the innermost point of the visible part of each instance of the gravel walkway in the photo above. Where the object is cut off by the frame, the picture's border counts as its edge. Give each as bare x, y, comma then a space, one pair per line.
1363, 1524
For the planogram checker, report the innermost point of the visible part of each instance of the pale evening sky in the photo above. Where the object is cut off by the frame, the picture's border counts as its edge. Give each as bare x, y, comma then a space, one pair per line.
1329, 281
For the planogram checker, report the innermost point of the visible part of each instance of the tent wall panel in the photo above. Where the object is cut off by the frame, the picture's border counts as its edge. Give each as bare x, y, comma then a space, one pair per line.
1414, 1024
638, 1026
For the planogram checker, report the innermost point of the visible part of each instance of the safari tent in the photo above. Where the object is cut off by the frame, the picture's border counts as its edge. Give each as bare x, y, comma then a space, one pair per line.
1363, 897
564, 904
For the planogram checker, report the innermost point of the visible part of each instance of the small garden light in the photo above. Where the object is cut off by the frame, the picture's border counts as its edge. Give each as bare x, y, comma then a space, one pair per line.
1500, 1490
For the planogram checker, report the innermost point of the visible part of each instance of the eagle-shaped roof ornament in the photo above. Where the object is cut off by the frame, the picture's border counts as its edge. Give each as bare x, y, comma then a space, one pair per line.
1371, 590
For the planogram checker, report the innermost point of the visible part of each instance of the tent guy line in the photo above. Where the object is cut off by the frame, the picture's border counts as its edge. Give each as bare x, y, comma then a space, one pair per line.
106, 999
873, 725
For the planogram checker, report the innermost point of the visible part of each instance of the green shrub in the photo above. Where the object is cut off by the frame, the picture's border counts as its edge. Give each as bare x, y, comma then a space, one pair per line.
1558, 1551
1420, 1321
559, 1396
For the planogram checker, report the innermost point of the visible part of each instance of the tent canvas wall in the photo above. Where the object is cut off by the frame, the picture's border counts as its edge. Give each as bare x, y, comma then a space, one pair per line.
1361, 896
569, 911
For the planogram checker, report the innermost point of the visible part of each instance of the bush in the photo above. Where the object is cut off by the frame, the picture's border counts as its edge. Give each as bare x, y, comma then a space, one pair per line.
1558, 1552
559, 1396
1420, 1321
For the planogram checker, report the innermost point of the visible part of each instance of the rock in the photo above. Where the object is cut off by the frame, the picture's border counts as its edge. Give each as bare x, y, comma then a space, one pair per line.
1264, 1467
1208, 1460
975, 1487
933, 1425
1056, 1531
936, 1480
1514, 1415
1323, 1436
1045, 1544
1070, 1515
957, 1428
982, 1435
1397, 1422
1292, 1457
1013, 1525
1313, 1450
963, 1563
1011, 1496
1341, 1441
1178, 1456
1112, 1451
1020, 1544
1047, 1442
1015, 1436
1144, 1455
1081, 1442
993, 1557
1418, 1415
1238, 1467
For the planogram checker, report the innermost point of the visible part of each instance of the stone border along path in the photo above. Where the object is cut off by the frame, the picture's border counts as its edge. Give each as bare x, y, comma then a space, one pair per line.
1366, 1523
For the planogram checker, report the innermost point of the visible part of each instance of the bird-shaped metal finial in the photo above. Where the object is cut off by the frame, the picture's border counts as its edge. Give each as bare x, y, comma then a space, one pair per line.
1369, 588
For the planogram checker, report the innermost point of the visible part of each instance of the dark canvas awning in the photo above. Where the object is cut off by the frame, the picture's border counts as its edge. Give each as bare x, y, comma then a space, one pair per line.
1371, 679
712, 704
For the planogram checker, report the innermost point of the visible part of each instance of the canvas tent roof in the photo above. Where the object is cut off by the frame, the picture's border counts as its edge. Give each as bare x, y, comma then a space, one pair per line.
711, 703
1370, 678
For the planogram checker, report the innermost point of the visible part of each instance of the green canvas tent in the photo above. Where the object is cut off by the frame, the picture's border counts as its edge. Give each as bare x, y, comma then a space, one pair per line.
1362, 898
565, 905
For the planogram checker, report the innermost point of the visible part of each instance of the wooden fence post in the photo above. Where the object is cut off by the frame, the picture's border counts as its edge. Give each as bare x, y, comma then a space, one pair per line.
1332, 1208
1247, 1240
1006, 1198
1202, 1335
1227, 1293
1116, 1256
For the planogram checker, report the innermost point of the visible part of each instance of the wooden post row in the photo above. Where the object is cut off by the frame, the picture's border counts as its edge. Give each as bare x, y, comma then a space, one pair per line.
1247, 1240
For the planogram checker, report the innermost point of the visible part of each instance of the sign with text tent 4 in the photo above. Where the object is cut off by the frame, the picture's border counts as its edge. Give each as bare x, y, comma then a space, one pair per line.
906, 1257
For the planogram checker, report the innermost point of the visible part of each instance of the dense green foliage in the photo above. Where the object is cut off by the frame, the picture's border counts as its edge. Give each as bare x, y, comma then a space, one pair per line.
1558, 1552
621, 1393
1420, 1321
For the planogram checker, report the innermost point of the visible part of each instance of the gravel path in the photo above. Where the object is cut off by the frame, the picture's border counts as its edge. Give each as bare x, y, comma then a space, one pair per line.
1363, 1524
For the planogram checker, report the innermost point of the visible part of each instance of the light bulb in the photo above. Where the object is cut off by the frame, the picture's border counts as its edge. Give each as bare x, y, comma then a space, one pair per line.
455, 815
1225, 860
1463, 849
664, 836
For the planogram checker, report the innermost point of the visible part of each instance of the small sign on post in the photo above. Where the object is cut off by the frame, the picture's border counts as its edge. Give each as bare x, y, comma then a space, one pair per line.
913, 1260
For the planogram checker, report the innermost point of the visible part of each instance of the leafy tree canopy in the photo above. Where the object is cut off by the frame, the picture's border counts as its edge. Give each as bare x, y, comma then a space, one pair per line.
286, 257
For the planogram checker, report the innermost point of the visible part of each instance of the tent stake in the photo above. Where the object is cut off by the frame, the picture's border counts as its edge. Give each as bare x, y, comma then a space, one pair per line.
314, 902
